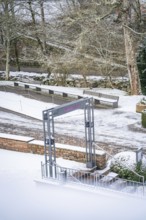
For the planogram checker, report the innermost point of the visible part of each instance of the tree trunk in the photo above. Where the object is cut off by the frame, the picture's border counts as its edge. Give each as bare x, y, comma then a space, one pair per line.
131, 23
7, 41
130, 49
43, 25
7, 59
17, 55
34, 24
15, 40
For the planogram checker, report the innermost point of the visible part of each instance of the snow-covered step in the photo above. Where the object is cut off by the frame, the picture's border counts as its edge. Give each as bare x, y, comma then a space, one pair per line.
102, 172
118, 184
110, 177
72, 179
129, 189
78, 175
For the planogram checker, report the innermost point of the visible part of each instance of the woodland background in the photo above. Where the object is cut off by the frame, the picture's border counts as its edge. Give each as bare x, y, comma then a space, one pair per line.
87, 37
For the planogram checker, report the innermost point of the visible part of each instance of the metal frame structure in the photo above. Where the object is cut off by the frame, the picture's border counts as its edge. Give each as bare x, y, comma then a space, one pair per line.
48, 126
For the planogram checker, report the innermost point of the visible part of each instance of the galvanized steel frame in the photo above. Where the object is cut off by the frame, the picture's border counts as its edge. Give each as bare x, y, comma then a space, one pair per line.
48, 127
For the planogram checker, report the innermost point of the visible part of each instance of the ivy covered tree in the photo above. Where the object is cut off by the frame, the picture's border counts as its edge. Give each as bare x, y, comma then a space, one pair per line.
141, 63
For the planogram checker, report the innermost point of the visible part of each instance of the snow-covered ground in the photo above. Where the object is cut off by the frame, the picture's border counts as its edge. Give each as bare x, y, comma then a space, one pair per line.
119, 126
22, 198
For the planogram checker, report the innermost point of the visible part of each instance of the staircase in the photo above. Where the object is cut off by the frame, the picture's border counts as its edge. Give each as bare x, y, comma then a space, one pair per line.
96, 180
109, 178
109, 181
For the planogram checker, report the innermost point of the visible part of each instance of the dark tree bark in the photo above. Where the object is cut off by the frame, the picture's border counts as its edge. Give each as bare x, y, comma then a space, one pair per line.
14, 42
131, 44
43, 25
34, 24
16, 55
7, 31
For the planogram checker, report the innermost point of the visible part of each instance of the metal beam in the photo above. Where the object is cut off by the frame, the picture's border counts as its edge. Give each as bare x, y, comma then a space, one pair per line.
71, 106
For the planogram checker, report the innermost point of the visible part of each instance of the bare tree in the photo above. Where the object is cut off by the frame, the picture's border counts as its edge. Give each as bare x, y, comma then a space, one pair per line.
86, 38
32, 11
43, 24
94, 40
9, 30
15, 40
6, 22
97, 36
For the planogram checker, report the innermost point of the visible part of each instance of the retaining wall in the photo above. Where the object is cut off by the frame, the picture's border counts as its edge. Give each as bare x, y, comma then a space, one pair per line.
29, 145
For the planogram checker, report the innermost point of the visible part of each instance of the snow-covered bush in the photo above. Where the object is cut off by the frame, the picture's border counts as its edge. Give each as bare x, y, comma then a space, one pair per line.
143, 101
125, 162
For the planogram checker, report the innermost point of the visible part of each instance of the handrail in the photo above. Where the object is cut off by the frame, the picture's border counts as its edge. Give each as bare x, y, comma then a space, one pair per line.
75, 178
82, 178
140, 176
79, 170
65, 168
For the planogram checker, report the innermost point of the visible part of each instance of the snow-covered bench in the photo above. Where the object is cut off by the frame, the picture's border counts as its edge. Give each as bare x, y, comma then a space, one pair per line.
48, 91
99, 98
102, 98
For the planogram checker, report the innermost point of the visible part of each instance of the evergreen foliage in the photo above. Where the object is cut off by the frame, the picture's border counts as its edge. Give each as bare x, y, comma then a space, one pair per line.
128, 174
143, 119
127, 167
141, 63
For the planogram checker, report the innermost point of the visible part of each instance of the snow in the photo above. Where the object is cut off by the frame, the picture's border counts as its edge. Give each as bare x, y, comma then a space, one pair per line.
16, 137
128, 158
21, 74
23, 105
115, 126
110, 91
80, 149
37, 142
7, 118
23, 198
71, 164
60, 89
6, 83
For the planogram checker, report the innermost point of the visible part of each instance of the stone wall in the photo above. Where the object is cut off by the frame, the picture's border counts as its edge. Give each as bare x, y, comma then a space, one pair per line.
69, 152
14, 142
29, 145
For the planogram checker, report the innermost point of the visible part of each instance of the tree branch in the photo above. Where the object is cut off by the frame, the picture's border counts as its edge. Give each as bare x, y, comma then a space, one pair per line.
135, 32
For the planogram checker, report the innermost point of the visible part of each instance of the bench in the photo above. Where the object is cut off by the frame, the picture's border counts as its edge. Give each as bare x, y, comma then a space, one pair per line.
103, 98
37, 88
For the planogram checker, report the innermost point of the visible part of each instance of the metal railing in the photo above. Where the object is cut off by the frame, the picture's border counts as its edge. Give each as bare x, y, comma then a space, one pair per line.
141, 178
93, 180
